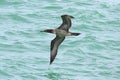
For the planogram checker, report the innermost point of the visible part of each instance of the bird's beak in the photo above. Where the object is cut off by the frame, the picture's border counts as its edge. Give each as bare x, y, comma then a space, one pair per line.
48, 30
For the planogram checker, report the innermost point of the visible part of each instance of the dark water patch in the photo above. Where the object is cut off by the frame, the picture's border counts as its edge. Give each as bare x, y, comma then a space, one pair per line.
35, 18
103, 67
97, 55
93, 15
4, 74
28, 76
87, 73
12, 51
96, 46
108, 23
12, 65
19, 18
104, 6
101, 22
22, 35
83, 4
53, 75
58, 75
89, 27
35, 43
89, 38
118, 67
34, 15
3, 38
51, 7
38, 60
84, 27
117, 73
111, 44
21, 66
35, 46
25, 34
19, 45
106, 73
2, 17
74, 41
2, 1
10, 33
115, 9
5, 2
76, 69
70, 10
12, 3
113, 22
97, 15
14, 48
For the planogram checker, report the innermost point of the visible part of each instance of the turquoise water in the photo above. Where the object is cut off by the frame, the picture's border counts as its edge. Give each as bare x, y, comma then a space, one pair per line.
24, 50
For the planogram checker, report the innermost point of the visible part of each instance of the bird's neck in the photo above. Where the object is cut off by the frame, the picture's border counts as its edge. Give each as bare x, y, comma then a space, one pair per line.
67, 21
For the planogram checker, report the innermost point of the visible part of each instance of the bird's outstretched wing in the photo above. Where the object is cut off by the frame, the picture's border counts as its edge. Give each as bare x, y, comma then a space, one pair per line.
66, 22
54, 47
65, 26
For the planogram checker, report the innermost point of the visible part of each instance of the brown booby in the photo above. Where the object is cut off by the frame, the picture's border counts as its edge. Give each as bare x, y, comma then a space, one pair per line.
60, 32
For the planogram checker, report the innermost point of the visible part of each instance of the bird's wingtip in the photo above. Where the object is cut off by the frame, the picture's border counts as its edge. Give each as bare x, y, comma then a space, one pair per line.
50, 62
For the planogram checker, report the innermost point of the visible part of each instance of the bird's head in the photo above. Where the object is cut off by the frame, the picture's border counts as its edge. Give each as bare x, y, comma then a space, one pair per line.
67, 16
48, 30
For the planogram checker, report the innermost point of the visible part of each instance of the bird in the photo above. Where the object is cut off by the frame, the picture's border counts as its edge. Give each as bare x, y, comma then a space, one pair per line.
61, 32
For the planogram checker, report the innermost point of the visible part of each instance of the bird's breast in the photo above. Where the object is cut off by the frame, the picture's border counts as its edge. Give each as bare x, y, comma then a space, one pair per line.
61, 33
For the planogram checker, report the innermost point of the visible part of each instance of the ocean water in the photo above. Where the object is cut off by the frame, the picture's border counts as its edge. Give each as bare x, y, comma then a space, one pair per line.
24, 50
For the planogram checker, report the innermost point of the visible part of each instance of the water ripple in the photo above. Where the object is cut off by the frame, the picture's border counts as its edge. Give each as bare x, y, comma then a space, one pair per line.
25, 51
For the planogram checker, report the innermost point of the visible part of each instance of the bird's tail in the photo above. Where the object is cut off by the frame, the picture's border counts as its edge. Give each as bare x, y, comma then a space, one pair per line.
75, 34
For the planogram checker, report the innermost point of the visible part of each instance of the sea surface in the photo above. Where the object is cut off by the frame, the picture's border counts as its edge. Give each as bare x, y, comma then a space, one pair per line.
25, 51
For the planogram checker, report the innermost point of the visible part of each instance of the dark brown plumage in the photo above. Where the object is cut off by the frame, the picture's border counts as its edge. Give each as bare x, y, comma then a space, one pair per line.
60, 32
